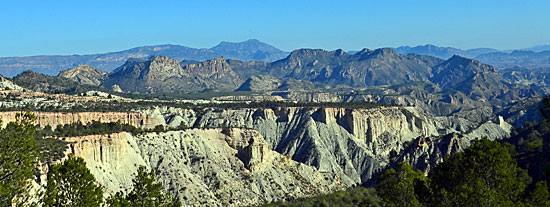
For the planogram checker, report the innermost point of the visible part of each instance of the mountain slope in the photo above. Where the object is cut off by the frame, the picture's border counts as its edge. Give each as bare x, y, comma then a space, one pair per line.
84, 74
160, 74
51, 84
365, 68
248, 50
52, 64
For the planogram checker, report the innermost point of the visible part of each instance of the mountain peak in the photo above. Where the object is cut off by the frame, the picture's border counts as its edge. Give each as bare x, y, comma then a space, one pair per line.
159, 58
461, 60
458, 69
306, 52
253, 41
363, 51
251, 49
384, 51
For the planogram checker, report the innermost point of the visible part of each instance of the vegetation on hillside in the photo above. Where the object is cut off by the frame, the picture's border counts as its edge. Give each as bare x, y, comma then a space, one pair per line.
357, 196
117, 106
147, 191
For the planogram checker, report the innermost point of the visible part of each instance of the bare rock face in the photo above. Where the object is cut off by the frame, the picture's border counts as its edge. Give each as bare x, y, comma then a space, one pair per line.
203, 167
55, 118
116, 88
6, 84
260, 83
352, 144
217, 70
84, 74
111, 158
159, 68
160, 74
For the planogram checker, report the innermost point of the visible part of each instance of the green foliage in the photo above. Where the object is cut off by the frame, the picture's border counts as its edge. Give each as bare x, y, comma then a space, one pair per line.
17, 158
118, 200
402, 186
532, 143
535, 144
71, 184
358, 196
484, 175
116, 106
50, 150
540, 195
147, 192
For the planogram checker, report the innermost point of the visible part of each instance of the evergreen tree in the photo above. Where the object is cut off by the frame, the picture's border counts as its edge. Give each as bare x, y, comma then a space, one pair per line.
17, 158
483, 175
147, 192
71, 184
539, 196
118, 200
402, 186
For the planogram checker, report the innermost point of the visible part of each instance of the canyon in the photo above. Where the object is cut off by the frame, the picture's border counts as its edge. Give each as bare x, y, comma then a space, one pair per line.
250, 156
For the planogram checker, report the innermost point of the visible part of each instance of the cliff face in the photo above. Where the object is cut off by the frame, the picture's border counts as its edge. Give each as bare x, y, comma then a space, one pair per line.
55, 118
203, 167
350, 143
111, 158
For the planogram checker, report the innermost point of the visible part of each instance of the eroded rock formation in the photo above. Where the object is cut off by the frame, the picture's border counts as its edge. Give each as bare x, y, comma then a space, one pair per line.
203, 167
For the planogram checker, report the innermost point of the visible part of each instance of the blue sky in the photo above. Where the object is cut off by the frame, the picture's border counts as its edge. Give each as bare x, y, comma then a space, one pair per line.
78, 27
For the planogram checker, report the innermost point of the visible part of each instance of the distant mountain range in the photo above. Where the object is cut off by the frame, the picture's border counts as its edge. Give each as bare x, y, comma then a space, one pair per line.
458, 86
303, 69
533, 57
443, 52
255, 50
51, 64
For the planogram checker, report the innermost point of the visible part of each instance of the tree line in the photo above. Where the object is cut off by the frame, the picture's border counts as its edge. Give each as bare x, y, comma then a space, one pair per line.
120, 106
69, 183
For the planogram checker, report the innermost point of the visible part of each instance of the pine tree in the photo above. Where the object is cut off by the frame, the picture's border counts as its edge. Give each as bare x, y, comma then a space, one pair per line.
71, 184
17, 158
483, 175
401, 186
147, 192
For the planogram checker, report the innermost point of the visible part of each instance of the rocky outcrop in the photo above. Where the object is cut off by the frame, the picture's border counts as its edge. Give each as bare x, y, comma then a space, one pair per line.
160, 74
84, 74
260, 83
6, 84
55, 118
217, 70
203, 167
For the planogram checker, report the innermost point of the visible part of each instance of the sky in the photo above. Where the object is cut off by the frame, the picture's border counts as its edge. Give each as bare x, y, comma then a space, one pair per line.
87, 27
